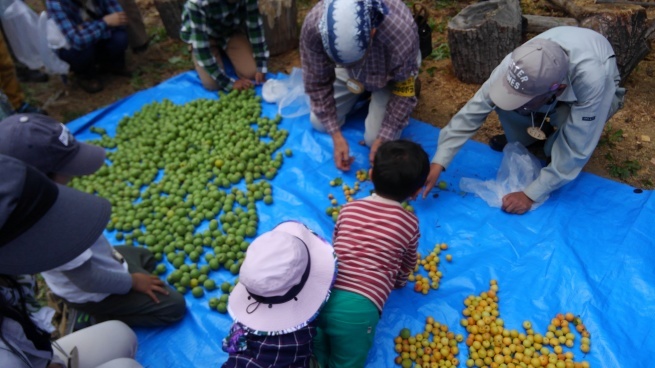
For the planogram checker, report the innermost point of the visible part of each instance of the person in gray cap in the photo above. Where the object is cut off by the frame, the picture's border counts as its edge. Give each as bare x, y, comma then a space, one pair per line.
48, 145
104, 281
566, 75
42, 226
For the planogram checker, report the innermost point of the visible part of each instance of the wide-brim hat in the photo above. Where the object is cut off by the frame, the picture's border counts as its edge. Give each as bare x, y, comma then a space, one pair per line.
535, 68
272, 268
48, 145
44, 225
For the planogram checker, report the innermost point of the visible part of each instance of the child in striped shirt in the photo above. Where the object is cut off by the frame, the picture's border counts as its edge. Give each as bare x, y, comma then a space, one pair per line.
375, 240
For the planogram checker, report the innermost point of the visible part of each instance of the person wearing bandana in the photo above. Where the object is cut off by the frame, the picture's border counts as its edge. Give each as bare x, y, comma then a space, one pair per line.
348, 48
561, 87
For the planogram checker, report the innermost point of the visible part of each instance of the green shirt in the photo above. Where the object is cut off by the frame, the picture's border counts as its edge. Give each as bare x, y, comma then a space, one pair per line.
217, 20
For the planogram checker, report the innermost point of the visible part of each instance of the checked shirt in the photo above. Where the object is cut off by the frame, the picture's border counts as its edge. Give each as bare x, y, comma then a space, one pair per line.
80, 34
291, 350
207, 21
391, 58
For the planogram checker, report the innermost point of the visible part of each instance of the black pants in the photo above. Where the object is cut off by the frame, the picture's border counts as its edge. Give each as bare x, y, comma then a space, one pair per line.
135, 308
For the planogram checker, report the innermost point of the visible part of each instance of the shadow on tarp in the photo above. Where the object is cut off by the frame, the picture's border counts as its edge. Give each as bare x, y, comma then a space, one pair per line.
588, 250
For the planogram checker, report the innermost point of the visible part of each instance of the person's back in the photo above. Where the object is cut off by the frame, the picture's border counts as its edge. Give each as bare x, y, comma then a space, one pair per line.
376, 241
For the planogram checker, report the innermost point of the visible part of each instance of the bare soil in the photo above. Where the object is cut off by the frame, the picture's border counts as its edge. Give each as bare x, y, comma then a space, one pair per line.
625, 153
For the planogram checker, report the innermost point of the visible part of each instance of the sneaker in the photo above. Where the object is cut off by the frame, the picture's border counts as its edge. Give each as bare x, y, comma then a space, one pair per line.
82, 320
498, 142
29, 75
144, 47
90, 84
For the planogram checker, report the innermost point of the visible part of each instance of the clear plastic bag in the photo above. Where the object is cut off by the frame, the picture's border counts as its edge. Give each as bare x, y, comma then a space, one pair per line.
28, 34
518, 169
289, 94
50, 34
21, 27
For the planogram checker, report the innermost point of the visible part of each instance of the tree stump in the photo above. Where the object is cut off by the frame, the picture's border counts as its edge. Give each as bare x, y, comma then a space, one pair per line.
626, 27
481, 35
280, 19
170, 12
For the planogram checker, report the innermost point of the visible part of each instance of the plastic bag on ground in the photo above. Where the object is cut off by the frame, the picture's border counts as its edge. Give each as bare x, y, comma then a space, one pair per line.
21, 27
517, 170
289, 94
52, 63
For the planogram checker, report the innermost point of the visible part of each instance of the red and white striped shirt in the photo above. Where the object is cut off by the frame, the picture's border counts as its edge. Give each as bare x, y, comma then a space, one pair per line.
375, 240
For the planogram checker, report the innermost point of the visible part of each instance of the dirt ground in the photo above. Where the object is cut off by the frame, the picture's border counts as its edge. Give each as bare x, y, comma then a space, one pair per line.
626, 151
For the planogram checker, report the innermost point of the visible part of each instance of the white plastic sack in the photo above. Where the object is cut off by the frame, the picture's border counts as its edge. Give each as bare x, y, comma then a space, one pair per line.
52, 63
20, 23
518, 169
289, 94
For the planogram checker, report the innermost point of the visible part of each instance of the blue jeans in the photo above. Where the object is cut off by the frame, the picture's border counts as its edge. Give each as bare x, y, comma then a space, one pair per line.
109, 52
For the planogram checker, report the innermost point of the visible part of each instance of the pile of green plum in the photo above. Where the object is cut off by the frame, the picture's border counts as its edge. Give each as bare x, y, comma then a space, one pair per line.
183, 181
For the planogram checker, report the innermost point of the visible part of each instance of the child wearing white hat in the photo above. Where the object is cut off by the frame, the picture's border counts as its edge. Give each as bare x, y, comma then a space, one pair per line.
285, 279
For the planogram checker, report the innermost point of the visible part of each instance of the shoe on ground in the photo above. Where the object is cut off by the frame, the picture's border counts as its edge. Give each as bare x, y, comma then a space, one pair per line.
80, 320
90, 84
144, 47
120, 72
29, 75
498, 142
26, 108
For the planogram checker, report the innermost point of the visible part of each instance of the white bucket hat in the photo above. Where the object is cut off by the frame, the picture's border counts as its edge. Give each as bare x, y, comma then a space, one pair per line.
284, 281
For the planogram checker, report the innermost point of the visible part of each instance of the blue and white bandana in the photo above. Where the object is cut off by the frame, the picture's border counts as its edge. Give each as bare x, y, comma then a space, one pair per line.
346, 27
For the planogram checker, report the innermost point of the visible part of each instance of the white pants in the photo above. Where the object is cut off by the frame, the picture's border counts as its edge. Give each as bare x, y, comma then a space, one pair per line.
346, 101
110, 344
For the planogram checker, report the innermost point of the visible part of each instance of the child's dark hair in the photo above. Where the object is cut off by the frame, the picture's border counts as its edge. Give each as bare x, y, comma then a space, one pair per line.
400, 168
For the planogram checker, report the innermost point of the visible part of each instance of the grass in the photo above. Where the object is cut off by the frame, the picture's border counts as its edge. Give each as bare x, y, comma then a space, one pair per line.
624, 170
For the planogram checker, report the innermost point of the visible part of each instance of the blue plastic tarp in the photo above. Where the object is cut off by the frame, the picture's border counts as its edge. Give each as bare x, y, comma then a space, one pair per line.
588, 250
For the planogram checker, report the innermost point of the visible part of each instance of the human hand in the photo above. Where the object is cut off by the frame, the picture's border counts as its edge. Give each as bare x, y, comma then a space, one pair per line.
517, 203
242, 84
115, 19
433, 176
148, 284
374, 148
342, 157
259, 78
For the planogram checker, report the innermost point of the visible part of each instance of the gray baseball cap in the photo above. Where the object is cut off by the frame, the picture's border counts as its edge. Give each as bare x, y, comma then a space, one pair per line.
537, 67
48, 145
43, 225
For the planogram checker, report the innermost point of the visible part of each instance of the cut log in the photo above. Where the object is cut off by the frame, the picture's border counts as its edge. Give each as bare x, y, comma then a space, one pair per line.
540, 23
625, 26
481, 35
170, 12
280, 19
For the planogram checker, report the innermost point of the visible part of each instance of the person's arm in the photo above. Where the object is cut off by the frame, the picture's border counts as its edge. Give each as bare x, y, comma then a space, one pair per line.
80, 36
194, 22
113, 7
256, 36
579, 135
408, 262
88, 279
318, 78
318, 73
